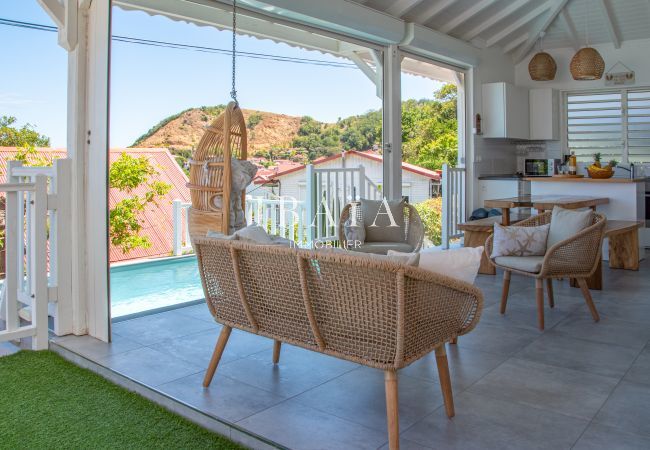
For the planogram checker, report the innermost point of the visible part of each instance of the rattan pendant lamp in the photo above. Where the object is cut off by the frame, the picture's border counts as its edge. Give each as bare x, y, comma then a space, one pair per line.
542, 66
210, 181
587, 64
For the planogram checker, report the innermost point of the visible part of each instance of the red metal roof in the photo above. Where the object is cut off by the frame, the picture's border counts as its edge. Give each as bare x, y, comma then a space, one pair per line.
157, 218
370, 154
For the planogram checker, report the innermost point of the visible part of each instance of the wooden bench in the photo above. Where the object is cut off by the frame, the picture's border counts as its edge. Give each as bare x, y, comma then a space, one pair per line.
623, 249
477, 232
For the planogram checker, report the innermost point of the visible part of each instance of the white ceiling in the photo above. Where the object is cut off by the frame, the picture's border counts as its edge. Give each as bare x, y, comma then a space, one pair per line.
515, 25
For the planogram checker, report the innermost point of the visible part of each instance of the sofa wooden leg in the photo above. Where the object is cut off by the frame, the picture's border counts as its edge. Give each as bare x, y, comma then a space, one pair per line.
504, 293
277, 345
445, 380
392, 408
549, 291
587, 295
539, 294
454, 340
216, 355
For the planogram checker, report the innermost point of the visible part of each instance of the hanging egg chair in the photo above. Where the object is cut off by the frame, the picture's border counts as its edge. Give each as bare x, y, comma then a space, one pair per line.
210, 180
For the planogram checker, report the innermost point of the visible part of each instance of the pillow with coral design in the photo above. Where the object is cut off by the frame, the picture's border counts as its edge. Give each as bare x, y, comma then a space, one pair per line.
519, 241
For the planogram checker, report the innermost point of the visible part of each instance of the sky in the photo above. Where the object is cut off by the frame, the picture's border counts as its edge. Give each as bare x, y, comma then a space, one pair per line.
150, 83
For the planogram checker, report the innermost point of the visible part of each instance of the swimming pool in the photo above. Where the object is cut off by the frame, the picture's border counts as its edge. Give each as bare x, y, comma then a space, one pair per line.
154, 284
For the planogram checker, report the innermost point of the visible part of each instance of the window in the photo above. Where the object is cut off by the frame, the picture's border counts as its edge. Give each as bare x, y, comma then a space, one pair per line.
614, 123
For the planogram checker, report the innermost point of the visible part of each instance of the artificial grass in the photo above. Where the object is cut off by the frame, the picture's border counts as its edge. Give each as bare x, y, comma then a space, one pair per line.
48, 402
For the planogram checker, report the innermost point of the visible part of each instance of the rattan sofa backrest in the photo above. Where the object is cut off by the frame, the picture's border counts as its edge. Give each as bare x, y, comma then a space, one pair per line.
355, 307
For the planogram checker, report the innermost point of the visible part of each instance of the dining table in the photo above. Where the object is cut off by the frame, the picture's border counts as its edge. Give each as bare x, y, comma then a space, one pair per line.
543, 203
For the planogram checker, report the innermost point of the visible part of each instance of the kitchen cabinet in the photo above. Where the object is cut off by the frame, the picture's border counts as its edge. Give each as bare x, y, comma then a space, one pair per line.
544, 114
505, 111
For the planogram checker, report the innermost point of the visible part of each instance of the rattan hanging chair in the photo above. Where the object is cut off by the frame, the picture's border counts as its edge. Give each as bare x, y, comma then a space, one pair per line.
211, 172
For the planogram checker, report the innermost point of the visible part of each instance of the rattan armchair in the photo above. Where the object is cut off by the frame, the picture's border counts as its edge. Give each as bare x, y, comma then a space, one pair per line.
576, 257
413, 231
350, 306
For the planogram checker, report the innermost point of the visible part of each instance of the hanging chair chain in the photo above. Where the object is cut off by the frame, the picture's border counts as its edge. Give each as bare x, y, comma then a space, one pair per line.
233, 92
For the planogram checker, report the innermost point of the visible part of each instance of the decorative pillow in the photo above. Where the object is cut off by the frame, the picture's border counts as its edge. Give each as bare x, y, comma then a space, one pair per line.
377, 220
460, 263
567, 222
216, 235
252, 234
519, 241
354, 232
410, 259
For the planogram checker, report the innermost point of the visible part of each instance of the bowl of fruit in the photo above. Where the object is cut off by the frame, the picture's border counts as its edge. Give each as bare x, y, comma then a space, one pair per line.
597, 170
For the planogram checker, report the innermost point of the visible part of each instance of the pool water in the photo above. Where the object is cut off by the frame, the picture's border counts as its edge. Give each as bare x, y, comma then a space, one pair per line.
154, 284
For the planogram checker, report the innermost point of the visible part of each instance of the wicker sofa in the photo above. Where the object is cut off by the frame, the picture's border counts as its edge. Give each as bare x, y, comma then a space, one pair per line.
363, 309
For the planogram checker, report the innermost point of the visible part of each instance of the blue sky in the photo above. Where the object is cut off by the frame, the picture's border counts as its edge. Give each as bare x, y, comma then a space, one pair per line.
151, 83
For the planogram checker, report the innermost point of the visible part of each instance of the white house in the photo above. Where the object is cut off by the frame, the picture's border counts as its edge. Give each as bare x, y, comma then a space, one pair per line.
418, 183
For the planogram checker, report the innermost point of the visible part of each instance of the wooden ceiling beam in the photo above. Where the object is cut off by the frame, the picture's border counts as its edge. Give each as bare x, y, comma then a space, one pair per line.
465, 16
516, 42
507, 31
495, 18
401, 7
609, 23
433, 10
570, 28
542, 25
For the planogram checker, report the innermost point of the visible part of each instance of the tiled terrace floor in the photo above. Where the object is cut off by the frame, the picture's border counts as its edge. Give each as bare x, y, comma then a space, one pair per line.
579, 384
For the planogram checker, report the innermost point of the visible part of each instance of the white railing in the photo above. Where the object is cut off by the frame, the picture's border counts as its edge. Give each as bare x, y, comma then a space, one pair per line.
57, 257
181, 241
328, 191
284, 217
453, 203
26, 262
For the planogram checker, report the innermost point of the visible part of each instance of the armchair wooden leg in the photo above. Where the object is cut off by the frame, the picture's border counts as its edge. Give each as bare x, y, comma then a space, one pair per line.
277, 345
587, 295
392, 408
504, 293
539, 294
454, 340
445, 380
549, 291
216, 355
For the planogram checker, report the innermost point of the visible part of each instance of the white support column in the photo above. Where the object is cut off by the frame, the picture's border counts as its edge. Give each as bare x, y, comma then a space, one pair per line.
60, 227
310, 202
392, 124
88, 85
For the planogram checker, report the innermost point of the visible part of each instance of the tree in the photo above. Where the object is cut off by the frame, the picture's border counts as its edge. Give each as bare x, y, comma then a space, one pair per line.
430, 212
26, 136
127, 174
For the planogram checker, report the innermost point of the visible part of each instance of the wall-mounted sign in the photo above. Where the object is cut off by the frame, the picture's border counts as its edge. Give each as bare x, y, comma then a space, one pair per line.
619, 78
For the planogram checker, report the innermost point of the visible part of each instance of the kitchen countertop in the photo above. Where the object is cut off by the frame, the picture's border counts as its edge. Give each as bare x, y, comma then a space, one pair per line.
587, 180
511, 176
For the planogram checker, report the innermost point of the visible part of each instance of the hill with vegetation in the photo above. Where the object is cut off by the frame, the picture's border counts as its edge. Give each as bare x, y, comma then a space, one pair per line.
429, 132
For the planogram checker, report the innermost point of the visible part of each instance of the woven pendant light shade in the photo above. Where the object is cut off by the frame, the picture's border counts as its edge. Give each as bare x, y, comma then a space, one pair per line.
542, 67
587, 64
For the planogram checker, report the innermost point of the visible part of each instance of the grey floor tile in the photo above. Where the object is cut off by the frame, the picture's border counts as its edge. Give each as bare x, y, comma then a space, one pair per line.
359, 396
199, 311
558, 349
497, 339
552, 388
197, 348
608, 330
525, 316
405, 444
95, 349
149, 366
640, 370
602, 437
298, 426
628, 311
466, 366
298, 370
225, 398
487, 423
149, 330
628, 408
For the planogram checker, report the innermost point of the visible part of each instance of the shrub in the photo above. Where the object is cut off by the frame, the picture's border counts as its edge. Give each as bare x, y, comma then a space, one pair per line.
431, 214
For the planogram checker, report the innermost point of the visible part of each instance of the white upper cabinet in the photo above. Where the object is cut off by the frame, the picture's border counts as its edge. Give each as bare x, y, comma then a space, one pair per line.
544, 114
505, 111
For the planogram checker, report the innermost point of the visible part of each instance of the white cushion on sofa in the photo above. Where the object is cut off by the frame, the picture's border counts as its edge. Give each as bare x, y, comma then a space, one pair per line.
460, 263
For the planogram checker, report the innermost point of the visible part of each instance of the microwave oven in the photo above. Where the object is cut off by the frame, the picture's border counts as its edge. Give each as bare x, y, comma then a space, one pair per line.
541, 167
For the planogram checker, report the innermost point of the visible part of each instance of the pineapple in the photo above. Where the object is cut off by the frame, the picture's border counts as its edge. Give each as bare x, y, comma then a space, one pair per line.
596, 160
